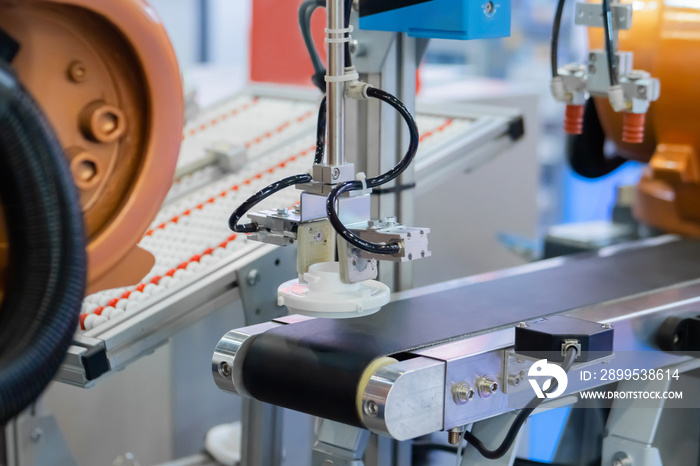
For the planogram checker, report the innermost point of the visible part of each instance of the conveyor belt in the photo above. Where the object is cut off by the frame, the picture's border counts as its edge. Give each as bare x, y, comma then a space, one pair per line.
315, 366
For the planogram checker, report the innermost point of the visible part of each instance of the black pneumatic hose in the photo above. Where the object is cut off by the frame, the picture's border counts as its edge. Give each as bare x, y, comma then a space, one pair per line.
321, 132
258, 197
45, 283
609, 46
556, 27
338, 226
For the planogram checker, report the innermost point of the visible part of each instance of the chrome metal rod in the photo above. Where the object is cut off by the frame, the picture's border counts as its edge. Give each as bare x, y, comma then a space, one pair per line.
335, 90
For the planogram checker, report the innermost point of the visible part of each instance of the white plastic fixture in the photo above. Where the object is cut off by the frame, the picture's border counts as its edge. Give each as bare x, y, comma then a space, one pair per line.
325, 295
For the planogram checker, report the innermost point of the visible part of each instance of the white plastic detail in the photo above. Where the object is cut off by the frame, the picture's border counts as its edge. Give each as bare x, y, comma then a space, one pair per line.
356, 89
325, 295
223, 442
348, 29
338, 40
617, 98
557, 87
362, 178
348, 76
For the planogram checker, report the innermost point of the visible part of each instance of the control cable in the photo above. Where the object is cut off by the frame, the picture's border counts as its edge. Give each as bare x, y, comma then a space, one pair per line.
520, 419
555, 37
258, 197
337, 191
320, 132
609, 46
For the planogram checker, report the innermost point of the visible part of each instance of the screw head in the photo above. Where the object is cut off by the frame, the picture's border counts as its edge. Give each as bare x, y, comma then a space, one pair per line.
514, 380
335, 173
253, 277
370, 408
591, 69
607, 325
282, 212
36, 435
224, 369
522, 325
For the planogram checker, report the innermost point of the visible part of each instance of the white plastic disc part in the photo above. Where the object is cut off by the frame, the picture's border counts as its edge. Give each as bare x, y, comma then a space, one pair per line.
325, 295
223, 442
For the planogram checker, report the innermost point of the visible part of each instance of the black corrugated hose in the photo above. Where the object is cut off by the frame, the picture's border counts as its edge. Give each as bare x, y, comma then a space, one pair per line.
45, 282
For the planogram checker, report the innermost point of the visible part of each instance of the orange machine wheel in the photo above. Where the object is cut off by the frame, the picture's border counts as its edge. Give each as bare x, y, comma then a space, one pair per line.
106, 76
665, 40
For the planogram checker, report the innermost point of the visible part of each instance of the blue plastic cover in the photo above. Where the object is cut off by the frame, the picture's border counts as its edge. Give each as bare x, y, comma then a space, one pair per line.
442, 19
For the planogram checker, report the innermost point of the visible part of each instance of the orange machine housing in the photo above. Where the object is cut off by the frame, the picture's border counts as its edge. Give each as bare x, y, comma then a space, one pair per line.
665, 40
106, 76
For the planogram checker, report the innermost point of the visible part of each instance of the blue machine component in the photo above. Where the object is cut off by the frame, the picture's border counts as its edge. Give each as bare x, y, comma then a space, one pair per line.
439, 19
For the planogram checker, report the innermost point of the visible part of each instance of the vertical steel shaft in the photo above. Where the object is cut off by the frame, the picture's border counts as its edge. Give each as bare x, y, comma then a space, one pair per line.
334, 89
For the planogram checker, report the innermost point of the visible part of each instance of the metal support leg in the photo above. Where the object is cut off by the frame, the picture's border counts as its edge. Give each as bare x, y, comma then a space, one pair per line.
632, 425
339, 445
262, 434
33, 438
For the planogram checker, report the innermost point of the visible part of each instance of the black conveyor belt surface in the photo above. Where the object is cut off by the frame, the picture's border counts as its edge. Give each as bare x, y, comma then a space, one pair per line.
315, 366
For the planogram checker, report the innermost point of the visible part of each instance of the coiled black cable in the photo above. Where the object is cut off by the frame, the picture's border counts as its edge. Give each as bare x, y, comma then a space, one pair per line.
609, 46
520, 419
256, 198
45, 283
555, 37
336, 192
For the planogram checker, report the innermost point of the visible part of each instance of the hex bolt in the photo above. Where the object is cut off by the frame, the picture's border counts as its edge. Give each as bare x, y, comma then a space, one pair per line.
253, 277
522, 325
462, 393
282, 212
487, 386
101, 122
453, 435
607, 325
